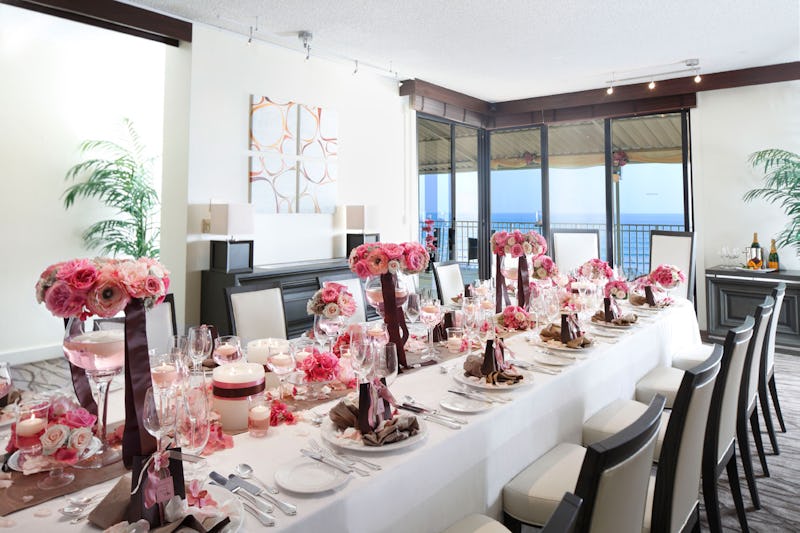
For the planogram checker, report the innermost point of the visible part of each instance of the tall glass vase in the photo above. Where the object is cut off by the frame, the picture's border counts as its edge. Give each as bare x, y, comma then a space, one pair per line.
101, 354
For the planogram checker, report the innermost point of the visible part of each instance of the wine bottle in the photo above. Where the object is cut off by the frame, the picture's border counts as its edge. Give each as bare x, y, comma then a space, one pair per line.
755, 260
772, 259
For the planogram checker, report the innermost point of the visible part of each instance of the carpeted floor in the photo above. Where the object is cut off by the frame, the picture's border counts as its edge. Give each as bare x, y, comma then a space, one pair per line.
780, 505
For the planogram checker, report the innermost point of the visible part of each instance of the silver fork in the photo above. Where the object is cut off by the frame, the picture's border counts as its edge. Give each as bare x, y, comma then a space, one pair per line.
334, 457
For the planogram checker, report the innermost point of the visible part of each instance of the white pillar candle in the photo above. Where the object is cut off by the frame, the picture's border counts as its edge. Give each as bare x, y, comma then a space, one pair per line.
233, 410
258, 350
30, 427
259, 412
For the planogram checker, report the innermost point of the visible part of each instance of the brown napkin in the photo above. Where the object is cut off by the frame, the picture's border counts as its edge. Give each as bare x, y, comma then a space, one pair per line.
553, 332
344, 415
398, 428
624, 320
473, 367
636, 299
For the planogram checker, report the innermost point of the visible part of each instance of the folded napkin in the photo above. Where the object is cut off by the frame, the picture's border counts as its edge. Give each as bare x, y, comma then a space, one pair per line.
552, 332
639, 300
623, 320
398, 428
344, 415
473, 367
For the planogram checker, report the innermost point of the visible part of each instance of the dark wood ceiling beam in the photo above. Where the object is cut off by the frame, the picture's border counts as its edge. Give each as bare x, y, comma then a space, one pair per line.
671, 87
116, 16
424, 89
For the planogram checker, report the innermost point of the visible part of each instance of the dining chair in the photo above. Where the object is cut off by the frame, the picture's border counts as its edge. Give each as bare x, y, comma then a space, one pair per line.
611, 476
449, 283
355, 288
573, 247
766, 378
161, 324
748, 395
256, 311
675, 248
562, 521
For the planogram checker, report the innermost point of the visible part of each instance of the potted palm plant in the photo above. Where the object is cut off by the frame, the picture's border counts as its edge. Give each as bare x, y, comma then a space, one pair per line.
120, 176
781, 187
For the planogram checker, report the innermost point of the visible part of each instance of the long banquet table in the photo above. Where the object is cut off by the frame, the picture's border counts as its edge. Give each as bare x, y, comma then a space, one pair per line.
451, 473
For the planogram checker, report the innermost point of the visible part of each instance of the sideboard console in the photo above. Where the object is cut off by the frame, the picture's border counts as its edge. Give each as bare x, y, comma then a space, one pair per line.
298, 281
732, 294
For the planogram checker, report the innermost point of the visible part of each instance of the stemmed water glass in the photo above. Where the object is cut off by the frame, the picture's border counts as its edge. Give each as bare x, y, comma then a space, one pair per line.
386, 363
470, 306
411, 307
327, 329
159, 415
199, 344
431, 314
227, 349
194, 423
360, 352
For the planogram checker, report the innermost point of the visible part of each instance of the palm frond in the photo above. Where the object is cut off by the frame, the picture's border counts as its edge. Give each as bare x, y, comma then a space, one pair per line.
781, 187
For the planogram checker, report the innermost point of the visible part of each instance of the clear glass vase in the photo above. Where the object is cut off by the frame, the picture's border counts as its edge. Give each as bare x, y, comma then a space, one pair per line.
101, 354
374, 291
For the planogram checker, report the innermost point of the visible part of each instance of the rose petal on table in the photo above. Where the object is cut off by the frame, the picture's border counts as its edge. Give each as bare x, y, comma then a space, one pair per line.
41, 513
7, 522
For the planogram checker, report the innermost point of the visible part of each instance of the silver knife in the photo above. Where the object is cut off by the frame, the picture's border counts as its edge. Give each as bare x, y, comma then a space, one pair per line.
262, 517
436, 412
322, 459
232, 486
358, 459
285, 507
425, 416
470, 396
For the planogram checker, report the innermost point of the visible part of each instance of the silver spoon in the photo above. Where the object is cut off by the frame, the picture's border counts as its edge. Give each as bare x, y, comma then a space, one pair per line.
245, 471
71, 511
82, 501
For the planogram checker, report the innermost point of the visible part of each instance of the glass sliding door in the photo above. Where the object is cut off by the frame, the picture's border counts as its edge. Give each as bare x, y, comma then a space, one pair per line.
433, 151
463, 237
648, 185
516, 180
577, 178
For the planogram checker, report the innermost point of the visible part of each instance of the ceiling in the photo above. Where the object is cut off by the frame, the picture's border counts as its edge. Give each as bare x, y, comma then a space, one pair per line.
511, 49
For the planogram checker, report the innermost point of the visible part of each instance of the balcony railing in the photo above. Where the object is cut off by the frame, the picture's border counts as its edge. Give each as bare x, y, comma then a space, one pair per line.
635, 240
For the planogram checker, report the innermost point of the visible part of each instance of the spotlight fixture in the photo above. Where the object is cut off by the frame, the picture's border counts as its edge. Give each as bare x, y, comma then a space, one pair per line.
697, 78
610, 89
306, 37
651, 85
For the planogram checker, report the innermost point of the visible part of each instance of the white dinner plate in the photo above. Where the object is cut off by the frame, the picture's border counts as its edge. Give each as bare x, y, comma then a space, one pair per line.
13, 461
306, 476
459, 404
564, 348
331, 435
480, 383
611, 325
552, 360
228, 503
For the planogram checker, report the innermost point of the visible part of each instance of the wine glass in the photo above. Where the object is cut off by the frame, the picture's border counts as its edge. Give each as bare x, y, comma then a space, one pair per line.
194, 424
430, 314
412, 307
386, 363
159, 415
165, 371
199, 345
280, 359
227, 349
327, 329
360, 351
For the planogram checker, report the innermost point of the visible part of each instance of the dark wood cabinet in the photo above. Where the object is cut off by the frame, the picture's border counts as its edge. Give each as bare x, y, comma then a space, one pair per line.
298, 281
733, 294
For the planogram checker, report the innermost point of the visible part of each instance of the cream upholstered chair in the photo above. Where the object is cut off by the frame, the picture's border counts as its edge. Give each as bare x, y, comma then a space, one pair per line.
719, 449
449, 283
562, 521
161, 325
256, 311
673, 494
748, 397
355, 288
610, 476
675, 248
766, 379
573, 247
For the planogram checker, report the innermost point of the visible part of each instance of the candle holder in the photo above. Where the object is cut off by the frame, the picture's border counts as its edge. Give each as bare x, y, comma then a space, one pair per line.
31, 425
258, 417
455, 340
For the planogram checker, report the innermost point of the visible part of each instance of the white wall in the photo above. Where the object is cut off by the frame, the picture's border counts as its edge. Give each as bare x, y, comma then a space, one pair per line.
60, 83
727, 126
373, 122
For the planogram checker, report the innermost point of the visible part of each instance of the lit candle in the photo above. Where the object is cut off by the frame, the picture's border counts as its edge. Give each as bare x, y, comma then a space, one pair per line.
164, 375
302, 354
454, 344
259, 412
430, 309
258, 350
31, 427
258, 420
376, 332
486, 304
281, 360
233, 384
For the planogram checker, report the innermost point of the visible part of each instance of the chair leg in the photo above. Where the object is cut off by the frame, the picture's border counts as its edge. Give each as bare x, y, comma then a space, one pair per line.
514, 525
736, 491
774, 393
711, 500
756, 429
747, 462
765, 411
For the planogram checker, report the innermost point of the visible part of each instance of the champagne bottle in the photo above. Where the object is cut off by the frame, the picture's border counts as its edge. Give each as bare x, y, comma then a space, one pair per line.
772, 259
755, 259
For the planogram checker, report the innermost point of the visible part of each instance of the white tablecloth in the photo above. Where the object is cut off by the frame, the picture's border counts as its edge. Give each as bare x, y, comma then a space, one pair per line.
452, 472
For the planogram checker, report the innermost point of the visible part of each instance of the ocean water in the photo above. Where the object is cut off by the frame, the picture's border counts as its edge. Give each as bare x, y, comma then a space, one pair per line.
592, 218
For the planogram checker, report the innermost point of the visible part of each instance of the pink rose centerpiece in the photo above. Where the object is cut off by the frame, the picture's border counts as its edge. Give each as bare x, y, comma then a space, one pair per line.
596, 270
544, 268
617, 288
515, 318
517, 243
81, 288
512, 250
667, 276
331, 301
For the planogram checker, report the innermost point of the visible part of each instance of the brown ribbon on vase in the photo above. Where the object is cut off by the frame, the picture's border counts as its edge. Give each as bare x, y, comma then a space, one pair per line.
610, 309
394, 318
241, 393
135, 440
523, 283
569, 328
374, 405
489, 360
648, 294
500, 291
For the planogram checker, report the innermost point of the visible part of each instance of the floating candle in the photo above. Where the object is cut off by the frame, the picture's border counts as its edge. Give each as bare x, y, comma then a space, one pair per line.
31, 427
164, 375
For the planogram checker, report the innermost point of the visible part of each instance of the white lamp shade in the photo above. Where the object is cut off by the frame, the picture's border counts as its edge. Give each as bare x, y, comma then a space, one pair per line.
359, 218
232, 219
